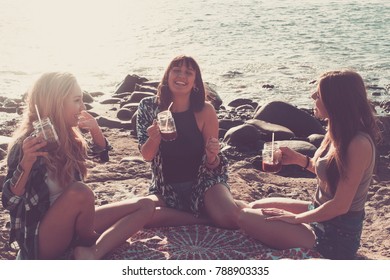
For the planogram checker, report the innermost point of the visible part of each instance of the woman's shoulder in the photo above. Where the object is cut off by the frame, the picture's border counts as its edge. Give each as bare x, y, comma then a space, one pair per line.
207, 113
207, 109
361, 145
362, 140
148, 105
150, 100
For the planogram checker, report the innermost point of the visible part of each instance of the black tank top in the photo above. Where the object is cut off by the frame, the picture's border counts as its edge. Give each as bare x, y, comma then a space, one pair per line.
182, 156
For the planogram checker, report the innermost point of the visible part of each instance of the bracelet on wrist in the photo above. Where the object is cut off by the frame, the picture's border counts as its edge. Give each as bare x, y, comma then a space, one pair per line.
307, 163
215, 161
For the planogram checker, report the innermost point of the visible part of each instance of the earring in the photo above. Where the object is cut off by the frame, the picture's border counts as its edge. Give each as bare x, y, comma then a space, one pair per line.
195, 89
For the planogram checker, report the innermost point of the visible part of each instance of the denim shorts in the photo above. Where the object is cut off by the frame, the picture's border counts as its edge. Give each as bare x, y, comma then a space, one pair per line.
339, 238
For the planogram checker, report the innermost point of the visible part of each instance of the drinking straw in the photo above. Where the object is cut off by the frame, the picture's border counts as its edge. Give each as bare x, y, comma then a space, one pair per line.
40, 121
272, 146
169, 109
170, 105
166, 124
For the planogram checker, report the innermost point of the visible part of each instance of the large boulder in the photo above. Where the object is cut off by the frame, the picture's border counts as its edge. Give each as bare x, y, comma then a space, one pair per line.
111, 100
137, 96
151, 83
300, 146
229, 123
240, 101
144, 88
266, 128
316, 139
87, 97
127, 111
113, 123
133, 124
212, 96
287, 115
129, 83
245, 137
125, 114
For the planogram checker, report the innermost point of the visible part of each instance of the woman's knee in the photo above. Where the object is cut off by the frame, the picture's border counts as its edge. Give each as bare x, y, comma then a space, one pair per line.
248, 215
157, 199
221, 207
147, 204
242, 217
226, 218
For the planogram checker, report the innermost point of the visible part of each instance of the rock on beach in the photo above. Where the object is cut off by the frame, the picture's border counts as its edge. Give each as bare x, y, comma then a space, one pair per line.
244, 127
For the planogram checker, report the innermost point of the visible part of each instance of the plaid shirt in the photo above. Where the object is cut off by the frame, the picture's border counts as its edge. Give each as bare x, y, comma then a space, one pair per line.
26, 211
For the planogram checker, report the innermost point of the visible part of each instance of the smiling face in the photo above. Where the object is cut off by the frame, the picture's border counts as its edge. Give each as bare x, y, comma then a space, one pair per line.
73, 105
181, 79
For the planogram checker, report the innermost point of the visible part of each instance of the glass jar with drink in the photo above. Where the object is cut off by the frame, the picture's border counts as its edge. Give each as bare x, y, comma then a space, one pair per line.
271, 157
167, 125
46, 128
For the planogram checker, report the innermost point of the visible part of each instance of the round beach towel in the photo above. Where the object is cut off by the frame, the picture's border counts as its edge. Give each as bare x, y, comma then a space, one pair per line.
199, 242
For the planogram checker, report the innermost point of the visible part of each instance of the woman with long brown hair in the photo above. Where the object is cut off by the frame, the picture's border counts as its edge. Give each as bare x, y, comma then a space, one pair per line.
332, 222
189, 182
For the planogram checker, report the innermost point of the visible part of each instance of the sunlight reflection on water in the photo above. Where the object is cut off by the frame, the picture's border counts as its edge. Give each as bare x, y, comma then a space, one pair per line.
283, 43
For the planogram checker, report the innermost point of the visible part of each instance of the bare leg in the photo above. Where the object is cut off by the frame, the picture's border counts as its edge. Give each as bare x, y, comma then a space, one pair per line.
165, 216
117, 222
242, 204
72, 213
276, 234
288, 204
221, 207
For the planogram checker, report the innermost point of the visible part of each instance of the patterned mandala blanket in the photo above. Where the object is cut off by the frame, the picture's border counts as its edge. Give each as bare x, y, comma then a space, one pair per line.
198, 242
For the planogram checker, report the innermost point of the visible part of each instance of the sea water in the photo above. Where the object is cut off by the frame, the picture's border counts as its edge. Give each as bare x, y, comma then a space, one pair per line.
263, 50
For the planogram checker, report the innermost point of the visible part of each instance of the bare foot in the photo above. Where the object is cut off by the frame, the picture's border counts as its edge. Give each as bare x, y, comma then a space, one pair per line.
84, 253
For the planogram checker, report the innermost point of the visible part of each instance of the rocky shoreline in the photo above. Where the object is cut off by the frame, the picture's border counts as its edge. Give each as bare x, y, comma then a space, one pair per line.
244, 127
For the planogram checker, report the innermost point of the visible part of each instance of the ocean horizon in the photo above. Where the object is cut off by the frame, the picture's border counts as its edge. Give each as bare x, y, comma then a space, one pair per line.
240, 45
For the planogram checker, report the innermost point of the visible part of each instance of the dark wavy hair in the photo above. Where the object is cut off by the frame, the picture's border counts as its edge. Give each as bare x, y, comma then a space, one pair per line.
349, 112
198, 95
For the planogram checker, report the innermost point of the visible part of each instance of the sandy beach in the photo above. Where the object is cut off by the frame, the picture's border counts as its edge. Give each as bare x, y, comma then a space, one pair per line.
127, 175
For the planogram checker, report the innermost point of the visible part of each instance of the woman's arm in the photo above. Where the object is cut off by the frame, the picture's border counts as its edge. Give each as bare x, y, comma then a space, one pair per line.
150, 148
99, 146
290, 156
88, 122
148, 132
359, 156
210, 135
18, 171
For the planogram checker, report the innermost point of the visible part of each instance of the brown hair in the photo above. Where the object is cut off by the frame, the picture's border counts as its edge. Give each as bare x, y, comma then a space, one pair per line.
198, 95
349, 112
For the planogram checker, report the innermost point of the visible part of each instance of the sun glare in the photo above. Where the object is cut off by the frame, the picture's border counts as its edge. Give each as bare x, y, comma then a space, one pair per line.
70, 30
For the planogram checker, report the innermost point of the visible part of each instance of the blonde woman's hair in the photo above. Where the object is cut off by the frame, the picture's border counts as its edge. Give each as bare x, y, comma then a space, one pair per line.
49, 94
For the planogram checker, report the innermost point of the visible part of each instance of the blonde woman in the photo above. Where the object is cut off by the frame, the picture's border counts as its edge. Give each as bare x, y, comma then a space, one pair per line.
50, 206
